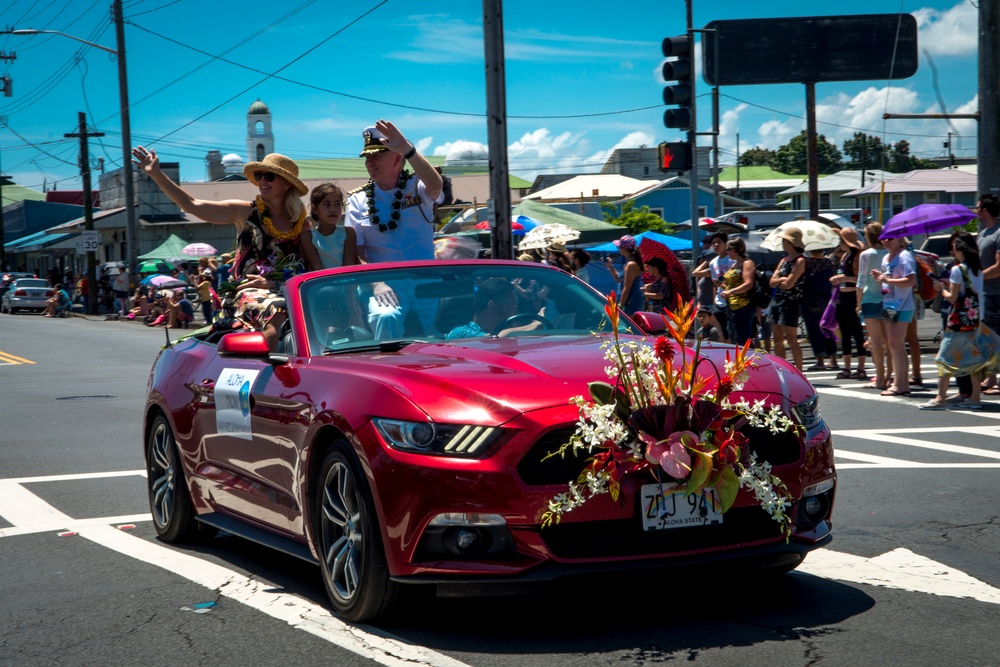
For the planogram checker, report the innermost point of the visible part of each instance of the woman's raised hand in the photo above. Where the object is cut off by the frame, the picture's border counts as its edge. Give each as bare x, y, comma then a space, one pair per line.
145, 159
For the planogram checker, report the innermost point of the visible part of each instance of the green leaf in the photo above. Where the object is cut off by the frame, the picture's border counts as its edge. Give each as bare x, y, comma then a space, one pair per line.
602, 392
728, 486
701, 466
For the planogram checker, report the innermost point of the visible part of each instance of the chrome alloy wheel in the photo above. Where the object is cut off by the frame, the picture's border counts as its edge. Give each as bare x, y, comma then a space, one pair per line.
161, 471
343, 536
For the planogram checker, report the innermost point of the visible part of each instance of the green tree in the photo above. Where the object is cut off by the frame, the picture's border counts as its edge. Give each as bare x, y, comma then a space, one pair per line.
758, 157
902, 161
635, 220
792, 158
866, 152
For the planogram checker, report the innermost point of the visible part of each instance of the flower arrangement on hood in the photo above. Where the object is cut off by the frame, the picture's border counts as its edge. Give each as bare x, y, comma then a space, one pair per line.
658, 417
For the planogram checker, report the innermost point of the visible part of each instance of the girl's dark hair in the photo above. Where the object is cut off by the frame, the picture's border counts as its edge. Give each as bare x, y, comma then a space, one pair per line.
966, 242
321, 191
659, 263
582, 256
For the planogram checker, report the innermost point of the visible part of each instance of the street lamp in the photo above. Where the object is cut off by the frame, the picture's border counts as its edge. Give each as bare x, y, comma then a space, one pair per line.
130, 224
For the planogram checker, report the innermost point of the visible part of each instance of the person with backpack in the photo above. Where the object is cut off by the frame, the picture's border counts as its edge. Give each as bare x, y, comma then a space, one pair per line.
852, 334
738, 283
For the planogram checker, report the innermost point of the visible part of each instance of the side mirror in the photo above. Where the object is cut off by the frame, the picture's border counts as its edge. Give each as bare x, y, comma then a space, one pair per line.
650, 323
244, 344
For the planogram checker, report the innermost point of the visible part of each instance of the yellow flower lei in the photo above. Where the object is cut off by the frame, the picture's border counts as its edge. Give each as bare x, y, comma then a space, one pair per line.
265, 221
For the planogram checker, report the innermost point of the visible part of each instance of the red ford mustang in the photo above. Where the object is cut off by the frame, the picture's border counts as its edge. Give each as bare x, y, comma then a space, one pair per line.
407, 444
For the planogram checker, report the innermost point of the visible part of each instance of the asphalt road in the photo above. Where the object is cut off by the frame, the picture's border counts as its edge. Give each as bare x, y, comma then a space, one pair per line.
910, 579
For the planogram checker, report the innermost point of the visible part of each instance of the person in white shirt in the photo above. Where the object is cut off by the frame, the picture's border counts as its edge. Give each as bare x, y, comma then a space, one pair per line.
393, 217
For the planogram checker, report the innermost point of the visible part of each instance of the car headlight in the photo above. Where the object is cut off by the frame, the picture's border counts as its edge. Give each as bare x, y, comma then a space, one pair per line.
442, 439
807, 412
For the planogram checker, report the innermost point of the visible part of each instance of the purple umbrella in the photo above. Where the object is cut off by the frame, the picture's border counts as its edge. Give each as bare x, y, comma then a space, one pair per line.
926, 219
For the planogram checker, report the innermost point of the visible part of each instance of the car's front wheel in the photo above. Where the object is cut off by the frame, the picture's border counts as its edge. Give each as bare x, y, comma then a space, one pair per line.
352, 557
169, 502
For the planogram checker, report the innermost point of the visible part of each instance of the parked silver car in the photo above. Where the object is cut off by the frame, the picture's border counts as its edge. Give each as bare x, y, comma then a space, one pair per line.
26, 294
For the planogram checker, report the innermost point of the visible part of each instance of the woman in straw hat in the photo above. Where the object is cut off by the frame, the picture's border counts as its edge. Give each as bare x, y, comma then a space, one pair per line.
848, 320
786, 309
268, 226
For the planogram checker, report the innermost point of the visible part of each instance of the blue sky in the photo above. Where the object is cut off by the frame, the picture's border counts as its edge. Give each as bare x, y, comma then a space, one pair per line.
583, 78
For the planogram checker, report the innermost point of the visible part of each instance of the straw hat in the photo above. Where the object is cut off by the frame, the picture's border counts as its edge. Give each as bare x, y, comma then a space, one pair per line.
794, 236
849, 235
276, 163
558, 246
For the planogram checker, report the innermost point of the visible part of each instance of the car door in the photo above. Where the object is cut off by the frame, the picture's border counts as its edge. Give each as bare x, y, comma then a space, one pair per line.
241, 425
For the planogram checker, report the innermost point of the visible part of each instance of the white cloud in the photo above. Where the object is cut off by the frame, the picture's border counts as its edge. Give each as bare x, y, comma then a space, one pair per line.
438, 38
776, 133
953, 32
462, 151
423, 144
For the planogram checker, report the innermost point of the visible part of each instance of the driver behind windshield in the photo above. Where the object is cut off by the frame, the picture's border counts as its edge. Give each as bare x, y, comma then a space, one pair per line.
495, 303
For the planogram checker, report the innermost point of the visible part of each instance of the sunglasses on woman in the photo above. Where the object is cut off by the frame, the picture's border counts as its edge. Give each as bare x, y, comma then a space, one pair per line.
264, 176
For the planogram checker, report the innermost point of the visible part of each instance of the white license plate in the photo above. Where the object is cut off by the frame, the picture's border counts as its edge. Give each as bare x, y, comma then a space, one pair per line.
664, 507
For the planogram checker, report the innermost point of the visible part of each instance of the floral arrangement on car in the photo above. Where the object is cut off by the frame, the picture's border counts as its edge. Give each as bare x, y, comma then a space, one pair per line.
659, 418
254, 307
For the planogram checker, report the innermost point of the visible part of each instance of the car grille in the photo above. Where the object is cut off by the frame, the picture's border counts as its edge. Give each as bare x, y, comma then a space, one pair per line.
775, 448
556, 470
619, 538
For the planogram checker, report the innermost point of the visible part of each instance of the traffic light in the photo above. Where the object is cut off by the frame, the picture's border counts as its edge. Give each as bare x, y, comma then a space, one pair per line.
681, 93
8, 86
675, 156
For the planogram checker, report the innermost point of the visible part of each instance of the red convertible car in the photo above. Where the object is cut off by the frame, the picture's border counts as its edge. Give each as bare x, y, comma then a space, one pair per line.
399, 437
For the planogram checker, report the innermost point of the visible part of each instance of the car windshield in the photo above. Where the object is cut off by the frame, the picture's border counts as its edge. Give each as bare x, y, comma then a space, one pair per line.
454, 301
31, 282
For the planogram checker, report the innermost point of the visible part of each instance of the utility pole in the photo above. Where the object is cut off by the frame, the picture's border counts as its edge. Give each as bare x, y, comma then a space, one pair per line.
131, 229
496, 130
988, 148
88, 206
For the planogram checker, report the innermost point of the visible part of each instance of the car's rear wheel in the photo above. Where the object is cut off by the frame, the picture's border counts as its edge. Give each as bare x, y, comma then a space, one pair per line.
169, 502
352, 557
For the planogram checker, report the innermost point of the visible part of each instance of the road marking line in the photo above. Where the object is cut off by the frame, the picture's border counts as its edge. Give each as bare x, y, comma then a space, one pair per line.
900, 400
23, 508
901, 569
72, 477
912, 442
370, 643
11, 359
72, 524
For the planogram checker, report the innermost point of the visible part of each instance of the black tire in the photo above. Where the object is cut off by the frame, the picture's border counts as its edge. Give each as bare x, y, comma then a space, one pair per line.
169, 499
349, 542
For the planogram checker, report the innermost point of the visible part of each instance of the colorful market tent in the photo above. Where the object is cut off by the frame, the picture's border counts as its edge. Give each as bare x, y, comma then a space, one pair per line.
169, 249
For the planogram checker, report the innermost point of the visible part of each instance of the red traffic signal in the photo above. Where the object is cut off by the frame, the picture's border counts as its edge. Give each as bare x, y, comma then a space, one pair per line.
674, 156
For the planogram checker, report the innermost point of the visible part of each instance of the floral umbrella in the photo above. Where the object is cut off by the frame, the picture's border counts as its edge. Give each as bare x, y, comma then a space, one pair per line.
160, 281
816, 235
545, 235
927, 219
198, 250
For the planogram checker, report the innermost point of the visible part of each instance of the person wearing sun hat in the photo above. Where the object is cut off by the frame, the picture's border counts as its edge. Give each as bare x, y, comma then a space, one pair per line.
848, 320
629, 279
786, 308
393, 218
267, 229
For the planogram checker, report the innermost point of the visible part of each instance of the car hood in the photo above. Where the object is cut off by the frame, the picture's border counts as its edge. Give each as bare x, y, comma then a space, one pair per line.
505, 377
